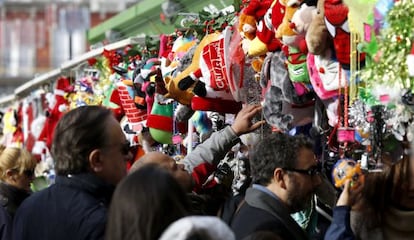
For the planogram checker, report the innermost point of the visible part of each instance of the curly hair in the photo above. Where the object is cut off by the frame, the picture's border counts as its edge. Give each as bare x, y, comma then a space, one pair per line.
277, 150
77, 133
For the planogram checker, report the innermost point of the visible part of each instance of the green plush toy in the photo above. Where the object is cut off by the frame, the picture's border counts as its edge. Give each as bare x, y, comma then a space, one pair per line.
160, 122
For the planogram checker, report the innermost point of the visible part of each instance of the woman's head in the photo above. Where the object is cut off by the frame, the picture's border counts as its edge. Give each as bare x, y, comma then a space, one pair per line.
394, 186
402, 180
145, 203
17, 167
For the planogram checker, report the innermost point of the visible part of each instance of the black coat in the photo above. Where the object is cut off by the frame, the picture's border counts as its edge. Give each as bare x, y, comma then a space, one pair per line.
11, 197
262, 212
5, 224
75, 207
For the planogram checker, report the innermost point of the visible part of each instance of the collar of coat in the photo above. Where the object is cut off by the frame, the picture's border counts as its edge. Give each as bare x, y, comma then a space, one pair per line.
89, 183
259, 199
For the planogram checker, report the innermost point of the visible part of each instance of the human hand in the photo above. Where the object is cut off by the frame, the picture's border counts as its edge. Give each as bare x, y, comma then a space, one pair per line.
243, 122
351, 193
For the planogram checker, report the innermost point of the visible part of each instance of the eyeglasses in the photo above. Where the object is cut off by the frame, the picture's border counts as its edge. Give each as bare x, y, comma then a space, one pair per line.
312, 171
125, 147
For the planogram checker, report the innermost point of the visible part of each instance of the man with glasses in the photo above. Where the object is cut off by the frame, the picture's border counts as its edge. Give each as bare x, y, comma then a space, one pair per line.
285, 176
90, 154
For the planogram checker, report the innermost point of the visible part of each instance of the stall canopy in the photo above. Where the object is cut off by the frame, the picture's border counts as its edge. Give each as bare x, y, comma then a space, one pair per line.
144, 18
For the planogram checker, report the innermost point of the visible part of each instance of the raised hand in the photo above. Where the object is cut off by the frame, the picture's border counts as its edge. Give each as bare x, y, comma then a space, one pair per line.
243, 122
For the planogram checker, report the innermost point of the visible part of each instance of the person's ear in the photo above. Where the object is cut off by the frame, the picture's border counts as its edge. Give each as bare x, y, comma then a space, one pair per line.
278, 176
10, 173
95, 160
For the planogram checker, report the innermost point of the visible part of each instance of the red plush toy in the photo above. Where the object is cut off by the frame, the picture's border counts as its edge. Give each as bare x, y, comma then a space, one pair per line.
265, 40
57, 106
250, 15
336, 20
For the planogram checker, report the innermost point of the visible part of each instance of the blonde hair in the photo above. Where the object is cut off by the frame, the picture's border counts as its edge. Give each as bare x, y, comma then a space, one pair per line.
15, 158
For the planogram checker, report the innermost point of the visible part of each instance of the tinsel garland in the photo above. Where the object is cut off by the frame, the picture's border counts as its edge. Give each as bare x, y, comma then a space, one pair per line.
394, 44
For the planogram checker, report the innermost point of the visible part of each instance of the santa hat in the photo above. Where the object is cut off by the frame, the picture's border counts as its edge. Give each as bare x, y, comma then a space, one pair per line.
62, 86
190, 226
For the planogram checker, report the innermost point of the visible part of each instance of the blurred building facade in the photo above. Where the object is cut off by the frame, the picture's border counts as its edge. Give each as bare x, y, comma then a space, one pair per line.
38, 35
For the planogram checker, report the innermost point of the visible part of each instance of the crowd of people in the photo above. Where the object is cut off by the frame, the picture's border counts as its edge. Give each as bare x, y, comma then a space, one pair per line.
95, 196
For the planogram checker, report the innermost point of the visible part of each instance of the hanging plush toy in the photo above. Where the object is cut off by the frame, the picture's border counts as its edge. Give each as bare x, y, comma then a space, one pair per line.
179, 86
57, 106
295, 46
284, 31
209, 82
160, 121
135, 116
317, 36
250, 15
283, 107
180, 48
265, 40
202, 124
336, 20
301, 21
326, 75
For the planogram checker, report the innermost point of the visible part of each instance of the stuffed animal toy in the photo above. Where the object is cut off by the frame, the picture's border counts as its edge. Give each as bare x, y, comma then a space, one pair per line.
250, 15
193, 78
148, 80
182, 113
180, 48
135, 116
166, 45
57, 106
282, 103
317, 36
160, 121
179, 87
265, 40
336, 20
295, 46
284, 31
210, 82
202, 124
325, 74
301, 21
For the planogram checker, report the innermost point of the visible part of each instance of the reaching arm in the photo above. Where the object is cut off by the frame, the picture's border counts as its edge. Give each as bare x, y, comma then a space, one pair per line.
205, 157
340, 228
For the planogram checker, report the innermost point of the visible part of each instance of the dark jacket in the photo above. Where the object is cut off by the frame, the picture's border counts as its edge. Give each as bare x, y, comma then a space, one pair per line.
5, 224
262, 212
340, 228
11, 197
75, 207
